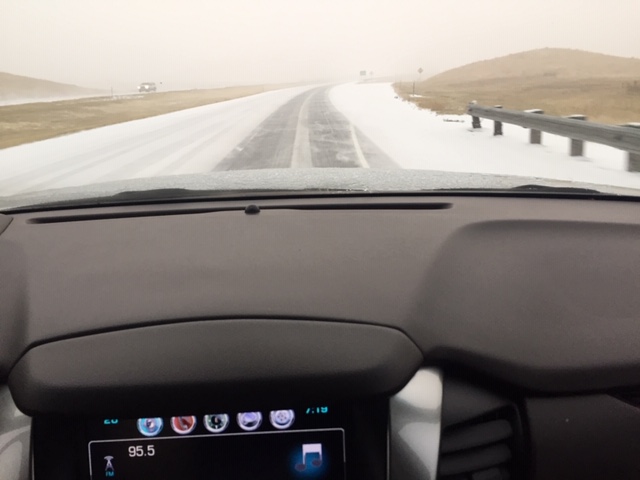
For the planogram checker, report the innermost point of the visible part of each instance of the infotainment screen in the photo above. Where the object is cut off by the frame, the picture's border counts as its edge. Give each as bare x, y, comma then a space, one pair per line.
308, 442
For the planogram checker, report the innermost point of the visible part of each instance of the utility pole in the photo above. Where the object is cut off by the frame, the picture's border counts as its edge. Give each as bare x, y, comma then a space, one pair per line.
414, 83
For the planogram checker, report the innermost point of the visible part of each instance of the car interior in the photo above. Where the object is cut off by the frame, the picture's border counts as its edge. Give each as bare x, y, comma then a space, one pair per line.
440, 335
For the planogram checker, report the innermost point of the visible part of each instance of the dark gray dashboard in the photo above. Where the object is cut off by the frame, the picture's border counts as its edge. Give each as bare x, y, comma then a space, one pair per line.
464, 283
534, 298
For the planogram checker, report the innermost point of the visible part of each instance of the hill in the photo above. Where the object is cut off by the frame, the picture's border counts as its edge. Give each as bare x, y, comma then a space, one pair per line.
606, 88
16, 89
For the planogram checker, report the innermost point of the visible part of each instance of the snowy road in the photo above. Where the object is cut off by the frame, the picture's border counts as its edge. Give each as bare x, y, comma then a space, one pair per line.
351, 125
296, 127
307, 131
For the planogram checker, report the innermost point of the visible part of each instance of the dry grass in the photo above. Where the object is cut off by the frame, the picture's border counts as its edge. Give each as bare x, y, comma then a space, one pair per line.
560, 82
39, 121
17, 86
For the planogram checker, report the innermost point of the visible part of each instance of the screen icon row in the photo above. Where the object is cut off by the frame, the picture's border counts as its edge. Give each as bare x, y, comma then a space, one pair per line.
216, 423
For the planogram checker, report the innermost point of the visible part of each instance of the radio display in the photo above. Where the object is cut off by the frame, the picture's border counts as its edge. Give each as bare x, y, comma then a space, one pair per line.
301, 443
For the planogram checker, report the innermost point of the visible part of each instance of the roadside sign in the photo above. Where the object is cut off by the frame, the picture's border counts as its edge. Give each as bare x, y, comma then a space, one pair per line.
363, 73
420, 70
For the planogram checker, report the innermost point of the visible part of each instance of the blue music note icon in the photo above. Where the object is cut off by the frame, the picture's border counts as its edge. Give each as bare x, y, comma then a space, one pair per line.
313, 450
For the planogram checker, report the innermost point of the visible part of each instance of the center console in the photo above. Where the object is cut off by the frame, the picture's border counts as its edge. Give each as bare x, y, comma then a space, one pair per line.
310, 441
375, 438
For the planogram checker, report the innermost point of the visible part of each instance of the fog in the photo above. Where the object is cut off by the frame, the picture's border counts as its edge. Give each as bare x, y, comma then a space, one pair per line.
207, 43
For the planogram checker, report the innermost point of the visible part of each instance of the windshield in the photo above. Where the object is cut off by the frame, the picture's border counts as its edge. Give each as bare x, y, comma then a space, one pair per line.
105, 97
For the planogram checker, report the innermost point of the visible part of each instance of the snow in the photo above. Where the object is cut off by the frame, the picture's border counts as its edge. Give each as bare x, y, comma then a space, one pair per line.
6, 101
421, 139
188, 141
194, 141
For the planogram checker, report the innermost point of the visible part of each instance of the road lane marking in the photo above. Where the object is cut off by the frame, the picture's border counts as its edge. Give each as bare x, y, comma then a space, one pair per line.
301, 153
356, 145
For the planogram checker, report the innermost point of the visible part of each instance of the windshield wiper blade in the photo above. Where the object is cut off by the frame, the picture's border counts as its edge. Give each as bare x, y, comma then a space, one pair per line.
528, 188
533, 187
173, 195
185, 195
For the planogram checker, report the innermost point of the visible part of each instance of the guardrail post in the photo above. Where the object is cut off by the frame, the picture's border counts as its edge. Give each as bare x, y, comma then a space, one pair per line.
620, 137
576, 147
497, 126
634, 157
475, 121
535, 136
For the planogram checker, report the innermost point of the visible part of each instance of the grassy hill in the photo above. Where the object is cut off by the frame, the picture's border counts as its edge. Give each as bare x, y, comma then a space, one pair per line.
559, 81
15, 88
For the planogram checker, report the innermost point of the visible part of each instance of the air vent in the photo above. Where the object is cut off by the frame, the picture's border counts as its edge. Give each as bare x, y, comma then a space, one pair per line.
480, 450
632, 397
481, 437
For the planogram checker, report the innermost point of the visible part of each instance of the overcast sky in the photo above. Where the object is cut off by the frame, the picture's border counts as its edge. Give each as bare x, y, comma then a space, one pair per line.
200, 43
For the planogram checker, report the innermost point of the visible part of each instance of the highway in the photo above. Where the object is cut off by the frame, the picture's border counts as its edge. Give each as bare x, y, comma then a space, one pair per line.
297, 128
307, 131
351, 126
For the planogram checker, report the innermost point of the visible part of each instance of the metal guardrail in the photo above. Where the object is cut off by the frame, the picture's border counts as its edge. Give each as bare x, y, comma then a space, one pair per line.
576, 128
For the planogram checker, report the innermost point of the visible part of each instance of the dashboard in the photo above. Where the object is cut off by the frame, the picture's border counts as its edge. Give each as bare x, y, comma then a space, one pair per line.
397, 336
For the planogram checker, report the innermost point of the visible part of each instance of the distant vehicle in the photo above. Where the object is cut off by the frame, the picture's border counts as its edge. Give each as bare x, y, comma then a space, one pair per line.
147, 87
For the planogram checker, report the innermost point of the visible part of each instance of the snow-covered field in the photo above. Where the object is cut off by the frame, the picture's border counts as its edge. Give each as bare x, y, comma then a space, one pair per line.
46, 99
420, 139
188, 141
196, 140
